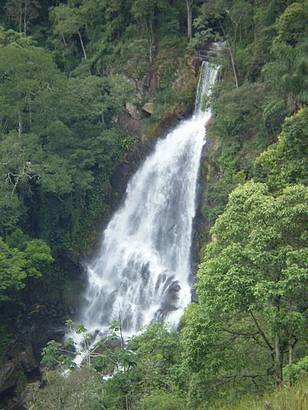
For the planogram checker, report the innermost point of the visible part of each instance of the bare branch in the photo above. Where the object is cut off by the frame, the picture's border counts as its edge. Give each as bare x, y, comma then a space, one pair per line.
261, 331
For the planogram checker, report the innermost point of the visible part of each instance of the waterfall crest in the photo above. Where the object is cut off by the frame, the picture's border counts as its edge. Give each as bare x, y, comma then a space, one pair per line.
143, 268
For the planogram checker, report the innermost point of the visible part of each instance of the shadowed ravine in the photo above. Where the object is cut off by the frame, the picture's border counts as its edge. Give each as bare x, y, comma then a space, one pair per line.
143, 268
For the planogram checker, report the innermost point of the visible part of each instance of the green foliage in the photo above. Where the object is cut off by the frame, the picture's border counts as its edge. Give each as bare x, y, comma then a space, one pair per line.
287, 76
12, 37
252, 276
81, 389
285, 162
11, 210
255, 244
272, 76
162, 401
251, 290
17, 265
286, 397
48, 159
145, 370
66, 20
241, 115
156, 351
148, 366
147, 12
295, 371
61, 105
237, 135
22, 13
52, 358
292, 23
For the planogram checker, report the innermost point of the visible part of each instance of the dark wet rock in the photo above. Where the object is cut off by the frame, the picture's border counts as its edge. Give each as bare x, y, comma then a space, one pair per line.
27, 360
18, 365
8, 376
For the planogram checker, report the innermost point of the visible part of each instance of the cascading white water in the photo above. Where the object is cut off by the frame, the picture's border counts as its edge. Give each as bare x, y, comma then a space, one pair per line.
143, 268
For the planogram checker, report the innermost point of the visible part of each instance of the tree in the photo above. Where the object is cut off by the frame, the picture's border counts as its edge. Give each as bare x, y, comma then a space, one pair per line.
146, 367
251, 284
11, 36
81, 389
129, 369
162, 401
17, 265
232, 22
57, 137
22, 12
286, 70
148, 13
286, 75
67, 23
284, 162
292, 23
156, 350
22, 83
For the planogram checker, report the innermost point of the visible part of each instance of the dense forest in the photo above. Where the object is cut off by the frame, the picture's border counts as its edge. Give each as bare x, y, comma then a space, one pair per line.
86, 87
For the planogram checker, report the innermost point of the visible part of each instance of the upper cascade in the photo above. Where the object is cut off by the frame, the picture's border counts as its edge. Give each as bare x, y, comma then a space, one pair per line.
143, 269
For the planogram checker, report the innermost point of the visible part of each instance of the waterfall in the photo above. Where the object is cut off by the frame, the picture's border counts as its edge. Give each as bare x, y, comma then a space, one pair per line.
142, 272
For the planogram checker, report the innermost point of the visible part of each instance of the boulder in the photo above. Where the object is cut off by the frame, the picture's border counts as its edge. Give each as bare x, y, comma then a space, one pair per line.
133, 111
149, 108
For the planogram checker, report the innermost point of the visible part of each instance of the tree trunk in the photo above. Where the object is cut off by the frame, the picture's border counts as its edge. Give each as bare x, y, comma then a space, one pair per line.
189, 4
25, 17
19, 124
20, 19
126, 403
233, 65
229, 46
63, 39
290, 352
82, 46
278, 360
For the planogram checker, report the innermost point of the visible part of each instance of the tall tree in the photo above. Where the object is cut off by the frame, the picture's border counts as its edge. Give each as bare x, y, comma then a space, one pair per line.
22, 13
189, 4
252, 280
148, 14
68, 22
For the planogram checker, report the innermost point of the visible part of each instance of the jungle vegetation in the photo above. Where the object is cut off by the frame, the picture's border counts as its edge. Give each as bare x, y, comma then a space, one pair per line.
70, 71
